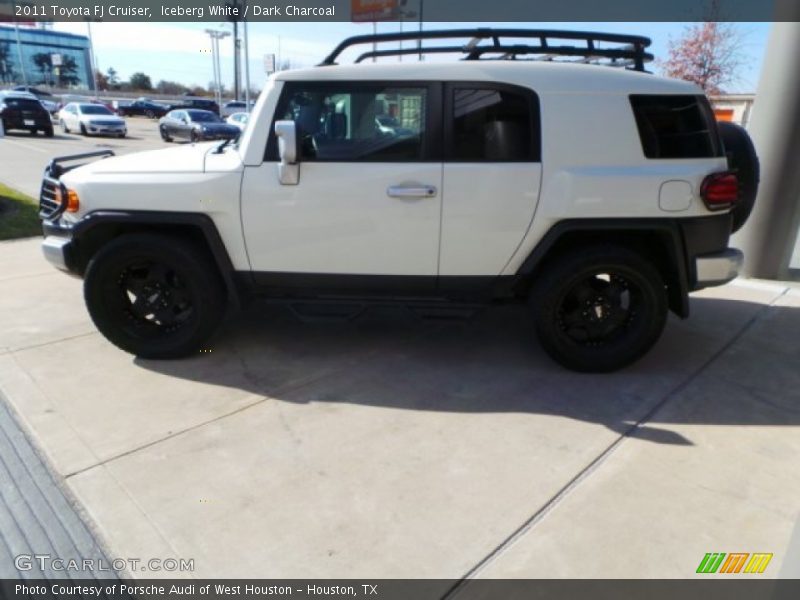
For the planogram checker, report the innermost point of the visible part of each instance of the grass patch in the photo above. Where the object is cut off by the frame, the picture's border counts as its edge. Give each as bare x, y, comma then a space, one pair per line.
19, 215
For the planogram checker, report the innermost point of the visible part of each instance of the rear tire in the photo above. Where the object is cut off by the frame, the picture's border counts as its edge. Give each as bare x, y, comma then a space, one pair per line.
49, 131
598, 309
743, 159
154, 296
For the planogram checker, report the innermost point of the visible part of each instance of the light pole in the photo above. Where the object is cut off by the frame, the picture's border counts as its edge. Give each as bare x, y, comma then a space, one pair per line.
216, 36
92, 57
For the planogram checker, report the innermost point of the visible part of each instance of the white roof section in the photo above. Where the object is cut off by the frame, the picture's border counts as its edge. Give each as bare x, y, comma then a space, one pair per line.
541, 76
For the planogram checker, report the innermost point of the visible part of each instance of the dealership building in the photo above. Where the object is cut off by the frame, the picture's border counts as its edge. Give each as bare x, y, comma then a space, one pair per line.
36, 56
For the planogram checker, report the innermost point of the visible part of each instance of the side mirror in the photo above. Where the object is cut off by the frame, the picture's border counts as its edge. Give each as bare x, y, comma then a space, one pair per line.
288, 168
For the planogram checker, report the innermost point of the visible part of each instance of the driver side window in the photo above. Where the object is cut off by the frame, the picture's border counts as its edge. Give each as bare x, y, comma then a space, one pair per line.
357, 122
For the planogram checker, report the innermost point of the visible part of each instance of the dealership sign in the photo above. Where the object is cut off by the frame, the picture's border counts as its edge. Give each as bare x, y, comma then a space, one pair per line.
373, 10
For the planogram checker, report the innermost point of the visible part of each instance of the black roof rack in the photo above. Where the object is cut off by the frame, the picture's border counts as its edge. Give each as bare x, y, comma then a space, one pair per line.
616, 50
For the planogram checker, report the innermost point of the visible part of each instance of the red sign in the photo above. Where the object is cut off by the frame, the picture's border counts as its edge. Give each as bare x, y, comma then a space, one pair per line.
373, 10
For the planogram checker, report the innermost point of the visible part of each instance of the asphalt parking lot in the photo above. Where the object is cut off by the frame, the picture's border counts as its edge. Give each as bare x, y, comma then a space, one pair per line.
392, 446
25, 155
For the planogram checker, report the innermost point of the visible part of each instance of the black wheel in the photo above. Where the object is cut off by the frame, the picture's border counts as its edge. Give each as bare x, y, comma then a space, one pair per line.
164, 136
64, 127
83, 130
742, 159
154, 296
598, 309
49, 131
149, 114
33, 131
193, 137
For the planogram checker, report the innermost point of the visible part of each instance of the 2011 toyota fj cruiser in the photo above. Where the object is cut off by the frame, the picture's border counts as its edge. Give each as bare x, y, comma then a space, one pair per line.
600, 196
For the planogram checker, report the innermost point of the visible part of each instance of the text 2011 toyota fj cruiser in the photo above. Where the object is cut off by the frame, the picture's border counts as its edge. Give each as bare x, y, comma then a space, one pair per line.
601, 196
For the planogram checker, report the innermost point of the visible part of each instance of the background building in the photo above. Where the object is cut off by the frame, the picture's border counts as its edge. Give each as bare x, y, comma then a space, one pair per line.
736, 108
36, 56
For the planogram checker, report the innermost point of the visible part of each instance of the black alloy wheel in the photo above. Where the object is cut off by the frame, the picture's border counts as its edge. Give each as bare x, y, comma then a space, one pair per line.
598, 309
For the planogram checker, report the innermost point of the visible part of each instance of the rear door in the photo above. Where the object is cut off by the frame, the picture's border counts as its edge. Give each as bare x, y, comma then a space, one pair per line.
491, 177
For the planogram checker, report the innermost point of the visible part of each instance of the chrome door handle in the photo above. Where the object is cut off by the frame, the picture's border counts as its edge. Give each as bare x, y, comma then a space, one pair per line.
411, 191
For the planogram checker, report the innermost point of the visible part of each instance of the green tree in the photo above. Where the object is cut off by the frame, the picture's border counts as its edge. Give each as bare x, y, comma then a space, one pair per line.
44, 63
170, 88
112, 77
140, 81
7, 74
68, 72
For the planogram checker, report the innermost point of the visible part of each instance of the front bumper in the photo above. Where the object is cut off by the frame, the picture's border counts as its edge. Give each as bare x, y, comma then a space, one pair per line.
57, 252
718, 268
109, 129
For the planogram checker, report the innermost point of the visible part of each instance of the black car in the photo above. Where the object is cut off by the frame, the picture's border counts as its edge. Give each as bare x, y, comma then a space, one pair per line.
144, 108
196, 103
22, 111
195, 125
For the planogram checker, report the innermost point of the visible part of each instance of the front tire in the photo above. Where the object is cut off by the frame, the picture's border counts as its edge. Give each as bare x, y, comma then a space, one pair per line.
83, 131
154, 296
164, 135
64, 127
599, 309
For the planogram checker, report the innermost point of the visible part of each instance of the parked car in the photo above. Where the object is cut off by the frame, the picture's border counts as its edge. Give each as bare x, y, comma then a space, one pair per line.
196, 103
91, 119
597, 196
22, 110
195, 125
238, 119
48, 100
234, 106
142, 107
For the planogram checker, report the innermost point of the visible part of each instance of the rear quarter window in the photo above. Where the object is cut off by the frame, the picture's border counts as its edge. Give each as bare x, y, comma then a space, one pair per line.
676, 126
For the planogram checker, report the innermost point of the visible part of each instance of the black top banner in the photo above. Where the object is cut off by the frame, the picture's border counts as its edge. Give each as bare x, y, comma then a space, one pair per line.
27, 11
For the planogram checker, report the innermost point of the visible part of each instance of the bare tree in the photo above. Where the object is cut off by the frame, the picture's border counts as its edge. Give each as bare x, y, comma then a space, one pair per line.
708, 54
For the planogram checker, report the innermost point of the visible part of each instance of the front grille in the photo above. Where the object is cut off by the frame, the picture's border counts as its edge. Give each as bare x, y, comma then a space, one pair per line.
50, 199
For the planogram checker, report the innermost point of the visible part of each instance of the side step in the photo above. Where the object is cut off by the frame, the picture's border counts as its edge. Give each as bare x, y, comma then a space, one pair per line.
332, 311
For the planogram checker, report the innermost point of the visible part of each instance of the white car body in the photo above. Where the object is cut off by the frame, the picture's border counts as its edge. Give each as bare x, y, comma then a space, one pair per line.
91, 119
378, 234
238, 119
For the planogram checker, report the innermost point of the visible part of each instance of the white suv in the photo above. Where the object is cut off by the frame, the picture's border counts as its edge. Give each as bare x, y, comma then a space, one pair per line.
601, 196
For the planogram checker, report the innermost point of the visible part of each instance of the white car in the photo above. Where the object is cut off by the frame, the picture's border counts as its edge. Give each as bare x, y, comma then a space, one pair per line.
238, 119
597, 196
234, 106
91, 119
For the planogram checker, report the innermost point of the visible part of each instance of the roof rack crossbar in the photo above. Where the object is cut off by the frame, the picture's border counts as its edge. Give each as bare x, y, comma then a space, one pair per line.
629, 47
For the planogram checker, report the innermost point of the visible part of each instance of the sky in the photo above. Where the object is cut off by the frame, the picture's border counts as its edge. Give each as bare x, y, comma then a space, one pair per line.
181, 51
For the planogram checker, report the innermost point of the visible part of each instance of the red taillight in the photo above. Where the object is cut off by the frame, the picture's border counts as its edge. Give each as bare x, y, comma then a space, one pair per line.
720, 191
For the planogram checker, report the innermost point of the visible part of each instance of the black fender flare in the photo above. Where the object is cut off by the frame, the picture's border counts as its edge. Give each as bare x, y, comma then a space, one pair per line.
667, 231
96, 221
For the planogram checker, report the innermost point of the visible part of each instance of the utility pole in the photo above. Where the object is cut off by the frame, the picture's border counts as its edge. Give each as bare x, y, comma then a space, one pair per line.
237, 7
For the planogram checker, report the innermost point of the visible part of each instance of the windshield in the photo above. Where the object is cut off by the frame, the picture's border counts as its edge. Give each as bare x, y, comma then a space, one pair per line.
202, 116
94, 109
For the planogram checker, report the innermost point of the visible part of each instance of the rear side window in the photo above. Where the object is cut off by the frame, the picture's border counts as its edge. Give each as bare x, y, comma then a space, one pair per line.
493, 125
676, 126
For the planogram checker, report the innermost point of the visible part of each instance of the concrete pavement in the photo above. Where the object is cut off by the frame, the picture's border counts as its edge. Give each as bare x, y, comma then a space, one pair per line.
394, 447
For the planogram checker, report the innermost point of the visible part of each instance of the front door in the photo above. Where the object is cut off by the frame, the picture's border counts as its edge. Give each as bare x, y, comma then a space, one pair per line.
366, 211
